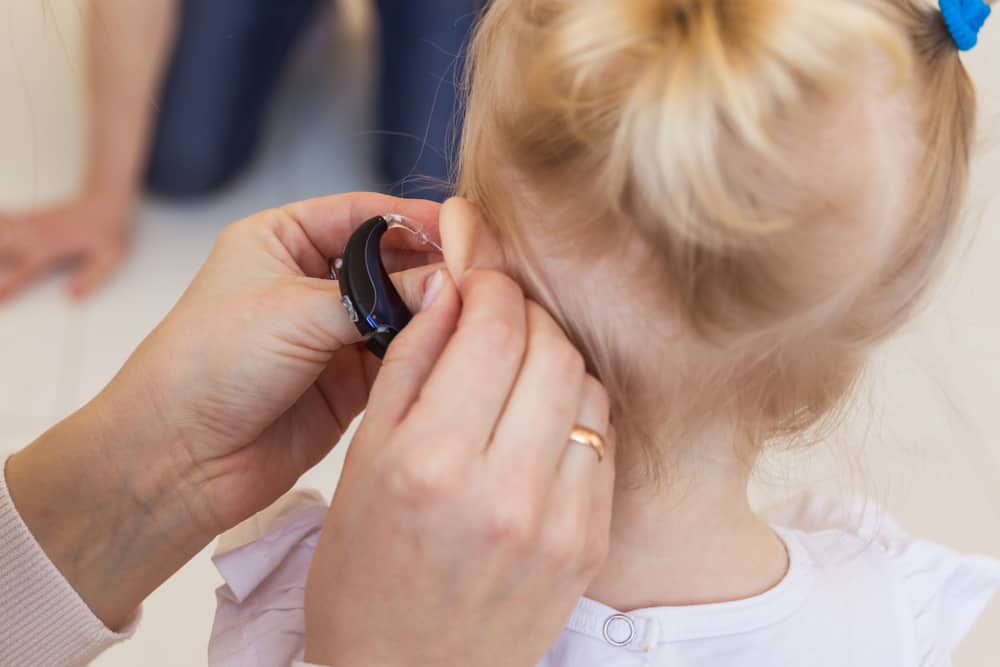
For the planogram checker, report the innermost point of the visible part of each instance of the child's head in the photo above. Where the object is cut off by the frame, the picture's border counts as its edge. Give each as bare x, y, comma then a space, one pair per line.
727, 203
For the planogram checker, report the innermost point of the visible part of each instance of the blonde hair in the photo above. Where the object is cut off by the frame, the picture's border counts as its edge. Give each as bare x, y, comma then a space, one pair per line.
697, 126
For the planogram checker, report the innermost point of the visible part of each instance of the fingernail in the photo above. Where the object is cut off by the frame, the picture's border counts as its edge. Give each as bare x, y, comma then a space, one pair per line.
431, 289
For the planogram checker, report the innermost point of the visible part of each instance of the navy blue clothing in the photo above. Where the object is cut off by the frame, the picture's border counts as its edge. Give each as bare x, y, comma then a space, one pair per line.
228, 60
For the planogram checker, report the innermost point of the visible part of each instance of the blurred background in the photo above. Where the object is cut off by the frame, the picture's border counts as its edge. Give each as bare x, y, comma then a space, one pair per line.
922, 439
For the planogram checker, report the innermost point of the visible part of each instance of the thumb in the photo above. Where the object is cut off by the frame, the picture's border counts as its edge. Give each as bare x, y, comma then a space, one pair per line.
413, 284
413, 354
332, 318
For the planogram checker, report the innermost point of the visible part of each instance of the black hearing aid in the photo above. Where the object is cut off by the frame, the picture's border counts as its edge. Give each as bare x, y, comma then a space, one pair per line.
370, 298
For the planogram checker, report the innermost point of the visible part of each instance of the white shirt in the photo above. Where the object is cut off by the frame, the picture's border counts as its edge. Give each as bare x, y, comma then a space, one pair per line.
858, 593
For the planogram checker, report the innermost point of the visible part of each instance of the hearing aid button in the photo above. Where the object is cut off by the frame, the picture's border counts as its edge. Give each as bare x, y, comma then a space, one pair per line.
349, 307
619, 630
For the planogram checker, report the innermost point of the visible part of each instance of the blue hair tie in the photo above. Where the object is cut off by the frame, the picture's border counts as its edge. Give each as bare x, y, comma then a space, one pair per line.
965, 18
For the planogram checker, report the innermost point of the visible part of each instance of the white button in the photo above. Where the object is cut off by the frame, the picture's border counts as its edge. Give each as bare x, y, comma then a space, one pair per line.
619, 630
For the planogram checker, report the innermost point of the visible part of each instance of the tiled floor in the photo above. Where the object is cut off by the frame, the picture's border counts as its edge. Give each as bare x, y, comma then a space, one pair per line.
924, 439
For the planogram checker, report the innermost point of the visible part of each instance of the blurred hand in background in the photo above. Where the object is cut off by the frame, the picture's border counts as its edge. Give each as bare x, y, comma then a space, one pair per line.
91, 232
128, 43
178, 95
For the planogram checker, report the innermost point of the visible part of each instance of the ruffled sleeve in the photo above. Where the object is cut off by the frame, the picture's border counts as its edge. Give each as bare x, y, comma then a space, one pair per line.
260, 611
947, 593
944, 591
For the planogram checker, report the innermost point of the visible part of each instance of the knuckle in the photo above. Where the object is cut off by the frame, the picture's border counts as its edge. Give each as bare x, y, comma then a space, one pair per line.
495, 307
561, 548
476, 285
550, 343
502, 336
511, 525
566, 359
478, 280
422, 482
253, 225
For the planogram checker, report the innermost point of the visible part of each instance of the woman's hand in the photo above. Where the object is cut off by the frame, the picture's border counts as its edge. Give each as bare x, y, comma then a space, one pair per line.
256, 374
248, 382
465, 526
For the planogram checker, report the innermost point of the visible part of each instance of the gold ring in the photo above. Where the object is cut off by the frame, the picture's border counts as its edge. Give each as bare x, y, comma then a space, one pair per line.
582, 435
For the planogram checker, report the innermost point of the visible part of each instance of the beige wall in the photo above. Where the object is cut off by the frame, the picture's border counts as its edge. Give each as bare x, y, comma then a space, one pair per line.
40, 99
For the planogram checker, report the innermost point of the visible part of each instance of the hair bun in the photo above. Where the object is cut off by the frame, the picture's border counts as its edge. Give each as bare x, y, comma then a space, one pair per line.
662, 93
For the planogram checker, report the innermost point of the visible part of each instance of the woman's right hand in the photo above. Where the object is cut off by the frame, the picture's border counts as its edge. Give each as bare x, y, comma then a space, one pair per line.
466, 525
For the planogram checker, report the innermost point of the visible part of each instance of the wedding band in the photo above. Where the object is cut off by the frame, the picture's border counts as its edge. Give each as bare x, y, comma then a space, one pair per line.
582, 435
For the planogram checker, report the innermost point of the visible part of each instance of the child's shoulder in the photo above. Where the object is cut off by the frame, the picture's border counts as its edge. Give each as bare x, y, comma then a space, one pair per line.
855, 550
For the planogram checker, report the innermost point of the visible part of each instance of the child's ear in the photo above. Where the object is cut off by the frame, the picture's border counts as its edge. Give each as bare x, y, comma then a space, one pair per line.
468, 243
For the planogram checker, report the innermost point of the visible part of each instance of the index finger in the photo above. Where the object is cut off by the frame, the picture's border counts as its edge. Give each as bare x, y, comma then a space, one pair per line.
323, 225
472, 379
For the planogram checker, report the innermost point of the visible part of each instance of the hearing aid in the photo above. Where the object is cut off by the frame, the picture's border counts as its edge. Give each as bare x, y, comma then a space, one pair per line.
369, 297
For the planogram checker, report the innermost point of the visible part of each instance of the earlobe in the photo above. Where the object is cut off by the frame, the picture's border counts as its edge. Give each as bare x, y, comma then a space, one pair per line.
468, 243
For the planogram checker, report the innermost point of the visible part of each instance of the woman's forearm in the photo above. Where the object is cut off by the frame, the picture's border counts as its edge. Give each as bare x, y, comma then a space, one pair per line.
106, 502
128, 44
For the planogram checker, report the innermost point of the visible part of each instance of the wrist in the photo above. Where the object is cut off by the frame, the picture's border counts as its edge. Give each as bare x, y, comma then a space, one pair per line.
108, 205
107, 512
115, 196
150, 460
136, 406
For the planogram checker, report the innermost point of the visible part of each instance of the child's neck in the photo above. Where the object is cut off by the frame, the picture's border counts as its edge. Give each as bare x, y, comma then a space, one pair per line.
696, 541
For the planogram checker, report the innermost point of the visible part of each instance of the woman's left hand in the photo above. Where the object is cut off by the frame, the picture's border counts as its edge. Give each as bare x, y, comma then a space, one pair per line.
256, 373
248, 382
